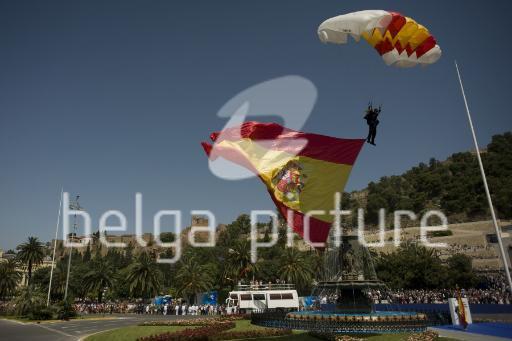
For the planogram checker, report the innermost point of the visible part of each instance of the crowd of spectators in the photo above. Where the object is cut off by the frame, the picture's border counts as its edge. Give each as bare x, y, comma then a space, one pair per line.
152, 309
185, 309
5, 307
491, 290
475, 251
438, 296
105, 308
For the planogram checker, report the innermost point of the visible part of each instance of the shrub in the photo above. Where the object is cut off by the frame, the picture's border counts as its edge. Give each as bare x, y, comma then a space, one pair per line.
443, 233
45, 313
28, 301
65, 311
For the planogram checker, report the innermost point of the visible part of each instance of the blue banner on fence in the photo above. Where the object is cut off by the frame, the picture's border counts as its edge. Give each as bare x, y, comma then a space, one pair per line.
208, 298
159, 300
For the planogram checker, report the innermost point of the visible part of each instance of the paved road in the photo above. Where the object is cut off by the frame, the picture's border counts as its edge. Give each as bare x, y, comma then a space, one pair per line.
73, 329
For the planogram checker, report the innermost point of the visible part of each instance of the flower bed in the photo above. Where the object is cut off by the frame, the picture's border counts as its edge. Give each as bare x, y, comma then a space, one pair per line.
210, 329
347, 338
426, 336
203, 321
200, 333
335, 337
249, 334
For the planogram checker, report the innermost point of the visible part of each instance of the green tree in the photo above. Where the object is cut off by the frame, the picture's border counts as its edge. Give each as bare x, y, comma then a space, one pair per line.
9, 279
31, 253
460, 271
59, 280
238, 261
296, 268
144, 276
41, 278
167, 237
99, 278
28, 301
193, 278
238, 228
87, 256
411, 266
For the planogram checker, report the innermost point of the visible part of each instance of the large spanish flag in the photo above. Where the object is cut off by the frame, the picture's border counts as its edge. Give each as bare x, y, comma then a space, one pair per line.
302, 171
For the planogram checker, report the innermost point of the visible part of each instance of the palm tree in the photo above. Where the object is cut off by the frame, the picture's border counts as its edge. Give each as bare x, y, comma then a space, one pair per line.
144, 276
239, 265
59, 279
9, 278
193, 278
99, 278
295, 268
28, 301
31, 253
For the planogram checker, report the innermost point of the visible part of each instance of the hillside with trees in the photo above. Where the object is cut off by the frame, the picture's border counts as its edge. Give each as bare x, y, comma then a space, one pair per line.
453, 186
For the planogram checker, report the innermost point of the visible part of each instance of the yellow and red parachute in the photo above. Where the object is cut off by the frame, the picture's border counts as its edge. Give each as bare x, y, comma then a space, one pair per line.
400, 40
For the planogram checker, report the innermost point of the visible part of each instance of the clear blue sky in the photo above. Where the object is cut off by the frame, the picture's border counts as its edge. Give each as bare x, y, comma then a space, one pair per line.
109, 98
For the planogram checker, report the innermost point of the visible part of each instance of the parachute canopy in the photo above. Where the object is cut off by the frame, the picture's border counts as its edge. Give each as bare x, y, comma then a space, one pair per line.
400, 40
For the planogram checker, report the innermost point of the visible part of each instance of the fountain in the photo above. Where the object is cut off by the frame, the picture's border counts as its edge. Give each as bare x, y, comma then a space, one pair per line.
341, 298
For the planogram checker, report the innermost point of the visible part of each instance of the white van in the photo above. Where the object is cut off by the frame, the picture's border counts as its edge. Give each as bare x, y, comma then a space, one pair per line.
247, 298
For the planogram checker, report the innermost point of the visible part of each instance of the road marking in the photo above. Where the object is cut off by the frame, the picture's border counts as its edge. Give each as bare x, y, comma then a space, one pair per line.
83, 337
54, 330
85, 330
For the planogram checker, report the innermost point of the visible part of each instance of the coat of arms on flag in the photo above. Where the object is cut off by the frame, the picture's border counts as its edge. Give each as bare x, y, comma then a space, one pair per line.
290, 180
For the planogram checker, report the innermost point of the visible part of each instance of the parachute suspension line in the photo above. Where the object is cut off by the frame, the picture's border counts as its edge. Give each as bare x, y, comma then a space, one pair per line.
488, 194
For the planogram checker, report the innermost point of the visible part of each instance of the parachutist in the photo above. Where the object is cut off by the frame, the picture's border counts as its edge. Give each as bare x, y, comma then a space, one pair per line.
373, 122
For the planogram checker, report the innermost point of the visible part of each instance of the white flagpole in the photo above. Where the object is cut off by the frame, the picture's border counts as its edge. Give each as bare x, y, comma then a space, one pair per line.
489, 200
54, 248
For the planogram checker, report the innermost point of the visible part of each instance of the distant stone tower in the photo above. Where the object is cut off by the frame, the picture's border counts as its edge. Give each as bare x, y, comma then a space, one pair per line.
199, 220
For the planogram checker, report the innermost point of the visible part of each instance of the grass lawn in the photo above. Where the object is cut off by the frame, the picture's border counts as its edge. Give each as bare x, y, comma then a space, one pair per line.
243, 325
132, 333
